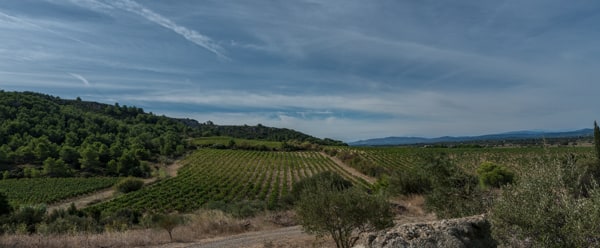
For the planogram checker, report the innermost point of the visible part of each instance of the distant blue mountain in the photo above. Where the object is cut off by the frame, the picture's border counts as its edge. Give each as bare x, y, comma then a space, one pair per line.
518, 135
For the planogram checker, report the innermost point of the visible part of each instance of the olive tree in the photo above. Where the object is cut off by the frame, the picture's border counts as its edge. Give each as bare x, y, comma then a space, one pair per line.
342, 213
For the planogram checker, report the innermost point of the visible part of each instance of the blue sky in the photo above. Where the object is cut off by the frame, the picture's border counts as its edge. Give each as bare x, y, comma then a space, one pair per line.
342, 69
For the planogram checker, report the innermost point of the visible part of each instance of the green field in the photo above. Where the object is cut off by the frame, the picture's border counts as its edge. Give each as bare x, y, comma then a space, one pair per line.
224, 141
50, 190
399, 158
210, 175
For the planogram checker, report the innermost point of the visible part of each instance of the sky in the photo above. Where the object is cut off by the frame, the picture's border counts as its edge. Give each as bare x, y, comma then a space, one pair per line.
343, 69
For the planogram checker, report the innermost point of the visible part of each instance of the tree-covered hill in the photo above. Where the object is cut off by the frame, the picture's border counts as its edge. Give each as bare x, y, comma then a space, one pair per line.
46, 135
69, 137
259, 132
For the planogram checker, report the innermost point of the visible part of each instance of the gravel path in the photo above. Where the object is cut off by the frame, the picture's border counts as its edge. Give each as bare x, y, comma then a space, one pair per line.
250, 239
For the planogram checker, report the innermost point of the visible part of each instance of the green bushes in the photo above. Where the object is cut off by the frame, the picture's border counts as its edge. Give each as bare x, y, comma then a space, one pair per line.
324, 208
493, 175
129, 184
449, 191
545, 208
335, 180
411, 181
454, 193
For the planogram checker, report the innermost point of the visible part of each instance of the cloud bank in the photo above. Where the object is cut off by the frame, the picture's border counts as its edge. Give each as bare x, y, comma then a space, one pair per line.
342, 69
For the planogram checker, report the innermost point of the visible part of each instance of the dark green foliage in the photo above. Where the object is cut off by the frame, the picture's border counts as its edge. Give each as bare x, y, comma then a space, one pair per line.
494, 175
325, 209
259, 132
85, 135
454, 193
597, 140
69, 221
129, 184
28, 216
413, 180
5, 207
335, 180
56, 168
121, 219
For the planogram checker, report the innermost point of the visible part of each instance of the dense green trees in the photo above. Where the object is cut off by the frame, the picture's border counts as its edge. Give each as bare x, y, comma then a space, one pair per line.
50, 132
260, 132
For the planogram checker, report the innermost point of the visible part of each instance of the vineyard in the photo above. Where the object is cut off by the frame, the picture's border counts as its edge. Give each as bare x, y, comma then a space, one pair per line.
50, 190
399, 158
211, 175
223, 141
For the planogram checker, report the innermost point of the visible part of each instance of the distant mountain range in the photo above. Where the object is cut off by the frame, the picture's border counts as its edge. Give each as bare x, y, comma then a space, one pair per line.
518, 135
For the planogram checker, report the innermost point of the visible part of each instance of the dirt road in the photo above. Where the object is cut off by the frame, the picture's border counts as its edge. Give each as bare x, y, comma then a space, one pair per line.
349, 169
282, 237
105, 194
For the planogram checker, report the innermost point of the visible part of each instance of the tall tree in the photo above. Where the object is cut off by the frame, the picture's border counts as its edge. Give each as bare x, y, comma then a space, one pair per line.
597, 139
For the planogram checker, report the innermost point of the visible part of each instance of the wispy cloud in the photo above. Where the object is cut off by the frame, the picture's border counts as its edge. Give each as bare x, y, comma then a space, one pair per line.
83, 80
189, 34
23, 22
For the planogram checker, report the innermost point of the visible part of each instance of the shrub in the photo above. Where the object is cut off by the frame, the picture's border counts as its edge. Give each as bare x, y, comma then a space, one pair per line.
454, 192
324, 209
411, 181
5, 207
544, 209
493, 175
333, 179
129, 184
121, 219
168, 222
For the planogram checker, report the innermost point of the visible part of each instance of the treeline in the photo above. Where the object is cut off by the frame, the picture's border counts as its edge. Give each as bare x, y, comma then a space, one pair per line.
260, 132
46, 135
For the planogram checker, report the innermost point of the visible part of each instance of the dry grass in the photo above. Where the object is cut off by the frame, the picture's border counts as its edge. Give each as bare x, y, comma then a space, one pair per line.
410, 209
201, 225
109, 239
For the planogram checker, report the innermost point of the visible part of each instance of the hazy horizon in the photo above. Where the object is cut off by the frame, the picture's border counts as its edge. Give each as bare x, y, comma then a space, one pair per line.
348, 70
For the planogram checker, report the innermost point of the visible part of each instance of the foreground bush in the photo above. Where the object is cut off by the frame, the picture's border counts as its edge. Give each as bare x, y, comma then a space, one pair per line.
324, 209
545, 208
334, 180
129, 184
494, 175
454, 193
410, 181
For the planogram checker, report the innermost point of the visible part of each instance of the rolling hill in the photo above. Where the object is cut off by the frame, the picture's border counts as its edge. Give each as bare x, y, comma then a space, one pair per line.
509, 136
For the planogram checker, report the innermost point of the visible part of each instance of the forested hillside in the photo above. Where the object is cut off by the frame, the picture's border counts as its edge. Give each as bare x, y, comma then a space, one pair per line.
258, 132
70, 137
42, 135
